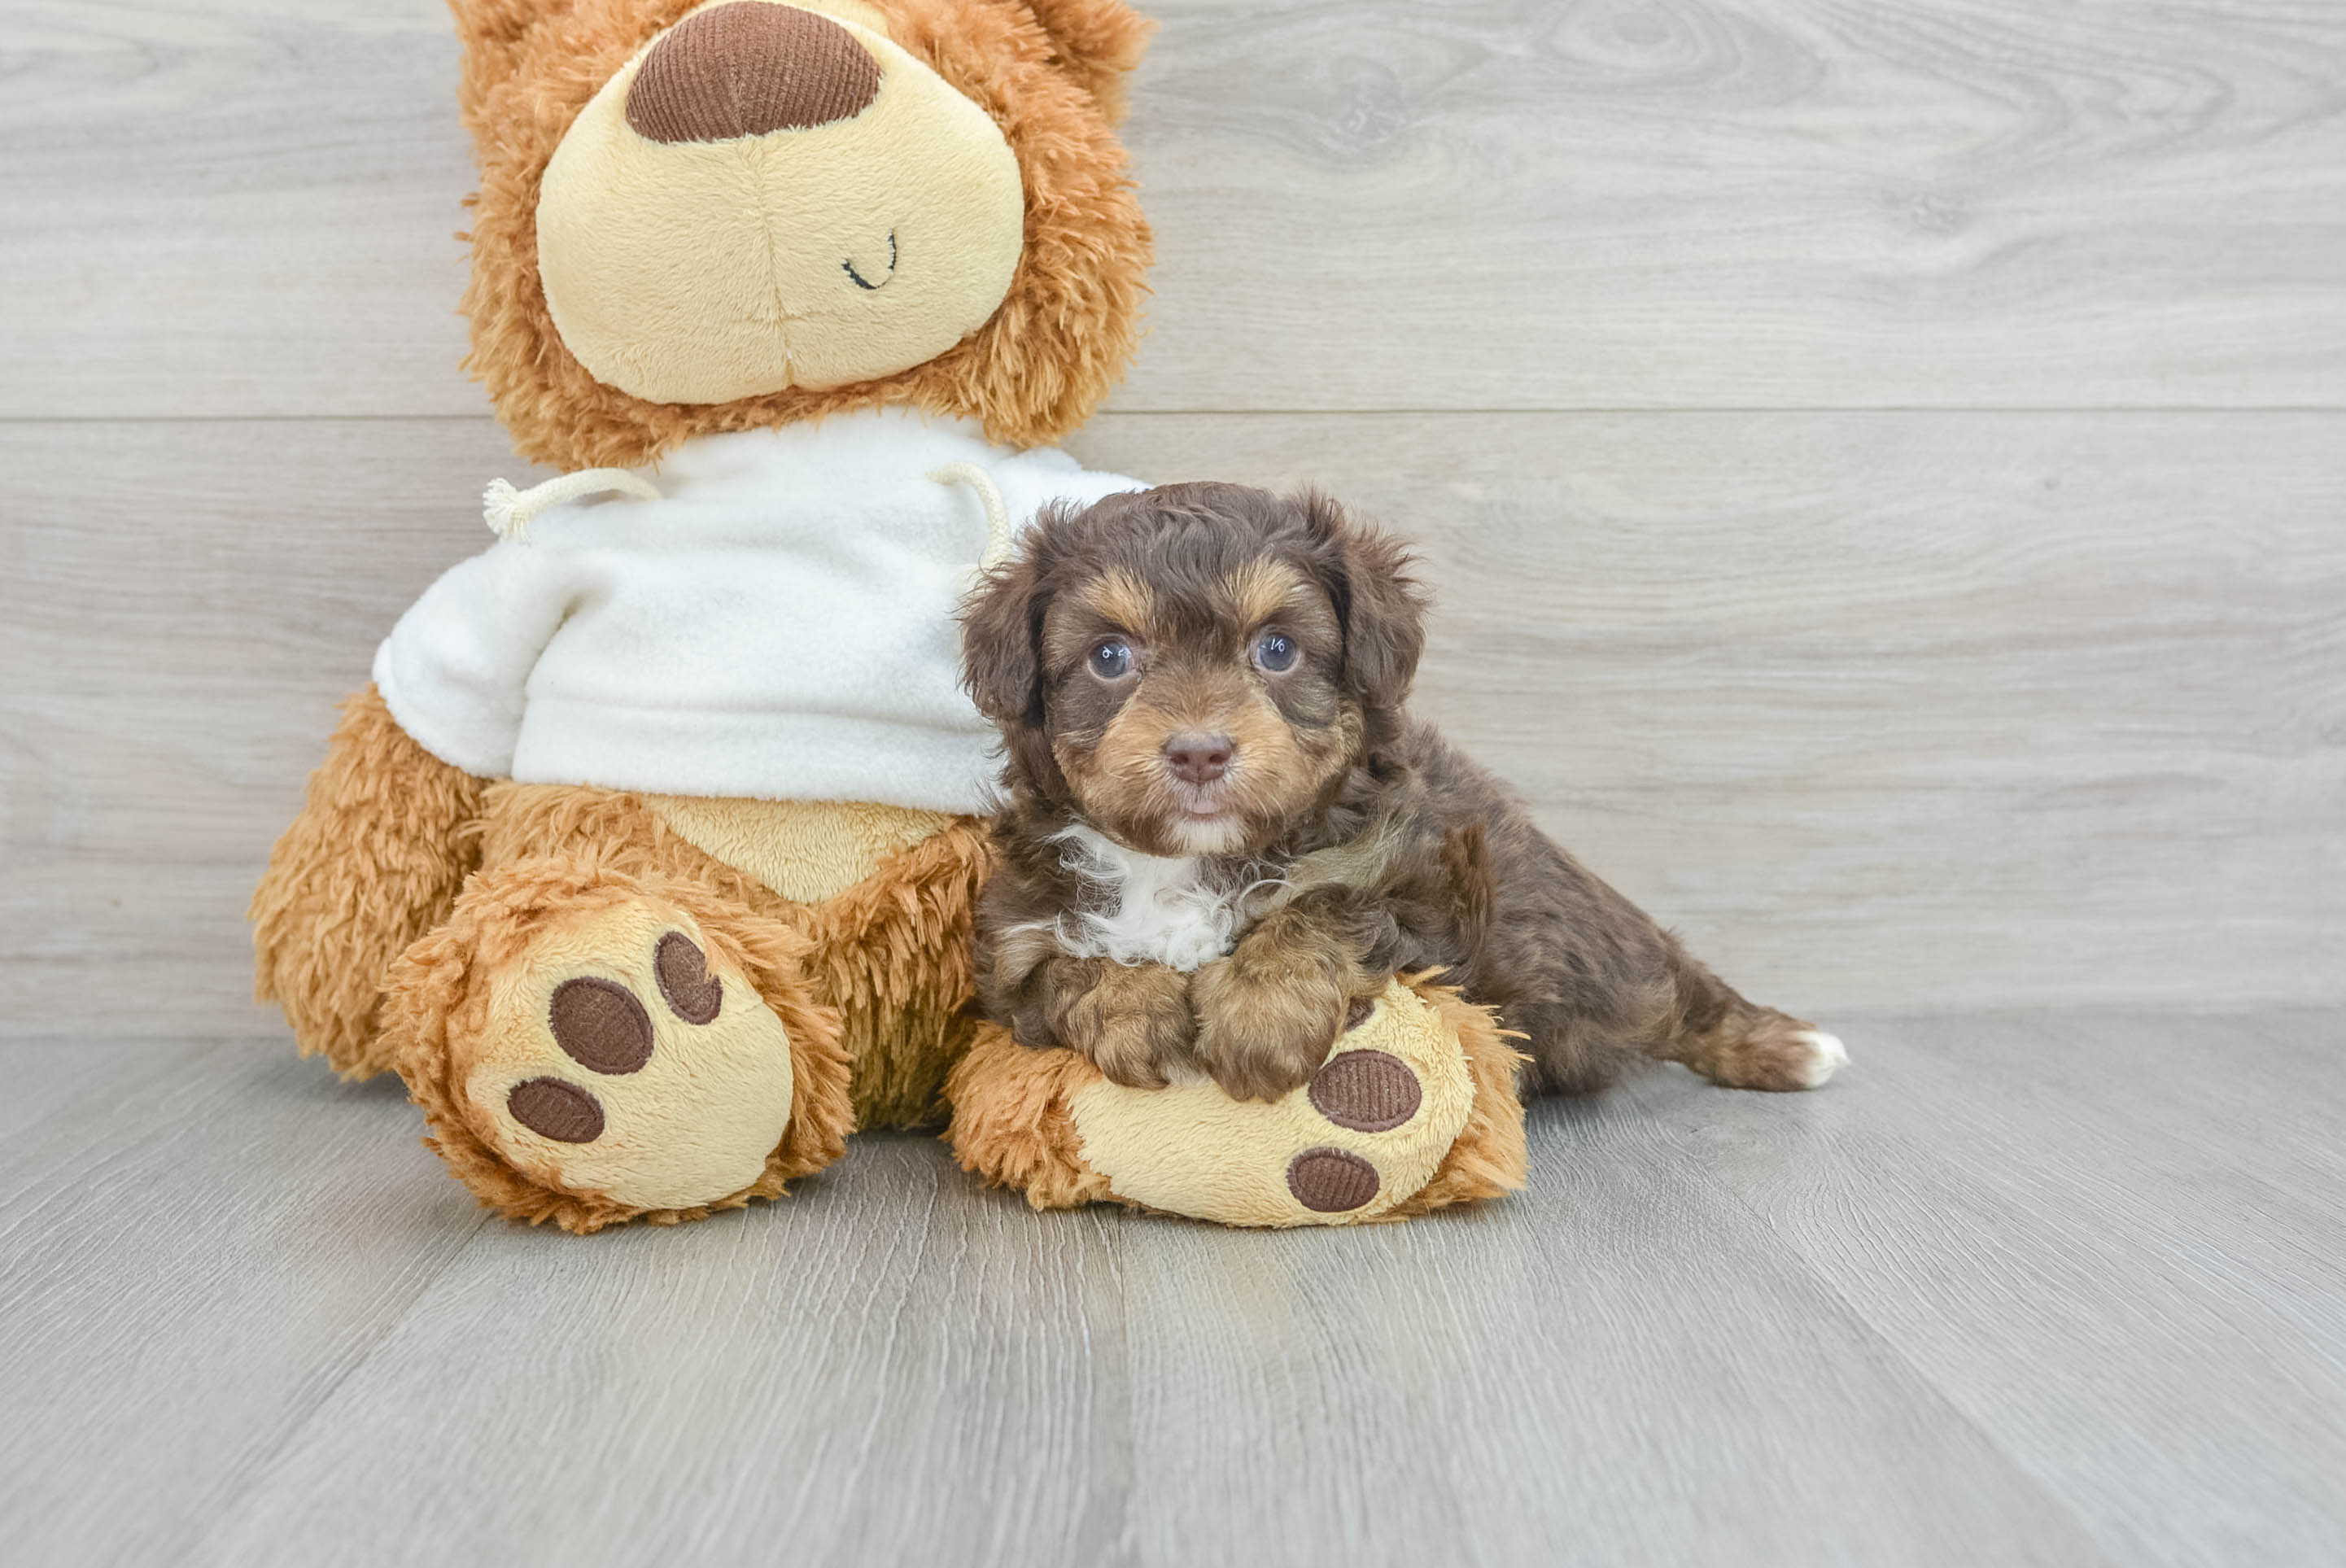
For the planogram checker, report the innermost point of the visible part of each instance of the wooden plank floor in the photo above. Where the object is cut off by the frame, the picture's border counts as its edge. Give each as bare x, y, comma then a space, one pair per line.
2023, 1288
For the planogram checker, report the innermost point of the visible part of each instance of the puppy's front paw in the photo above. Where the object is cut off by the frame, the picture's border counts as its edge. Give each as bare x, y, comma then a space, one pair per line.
1263, 1030
1134, 1023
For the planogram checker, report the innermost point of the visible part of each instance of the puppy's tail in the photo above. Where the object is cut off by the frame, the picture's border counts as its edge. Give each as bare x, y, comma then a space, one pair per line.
1467, 865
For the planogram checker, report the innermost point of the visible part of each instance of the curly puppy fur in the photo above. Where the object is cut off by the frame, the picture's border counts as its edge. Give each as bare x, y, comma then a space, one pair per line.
1049, 71
1223, 827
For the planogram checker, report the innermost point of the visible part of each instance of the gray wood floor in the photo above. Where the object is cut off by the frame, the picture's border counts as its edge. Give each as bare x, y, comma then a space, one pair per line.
1884, 465
2026, 1287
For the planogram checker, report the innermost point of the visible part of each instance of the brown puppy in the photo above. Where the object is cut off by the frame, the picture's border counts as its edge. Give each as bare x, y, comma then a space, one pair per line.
1222, 831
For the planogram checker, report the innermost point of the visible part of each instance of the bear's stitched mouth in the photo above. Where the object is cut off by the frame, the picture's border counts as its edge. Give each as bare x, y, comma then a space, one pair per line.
865, 283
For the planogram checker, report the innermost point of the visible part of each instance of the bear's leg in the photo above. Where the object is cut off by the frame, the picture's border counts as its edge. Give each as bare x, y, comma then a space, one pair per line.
375, 860
1414, 1109
591, 1046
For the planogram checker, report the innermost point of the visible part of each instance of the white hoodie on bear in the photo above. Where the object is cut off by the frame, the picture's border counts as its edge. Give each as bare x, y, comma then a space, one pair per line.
777, 625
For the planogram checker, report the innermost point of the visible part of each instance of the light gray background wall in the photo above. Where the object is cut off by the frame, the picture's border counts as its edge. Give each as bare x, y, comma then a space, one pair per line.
1883, 464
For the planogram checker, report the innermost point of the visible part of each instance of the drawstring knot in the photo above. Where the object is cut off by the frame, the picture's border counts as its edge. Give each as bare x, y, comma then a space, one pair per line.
508, 511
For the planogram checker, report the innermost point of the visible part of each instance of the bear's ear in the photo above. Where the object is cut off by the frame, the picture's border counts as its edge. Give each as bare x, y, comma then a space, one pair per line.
494, 34
492, 30
1097, 42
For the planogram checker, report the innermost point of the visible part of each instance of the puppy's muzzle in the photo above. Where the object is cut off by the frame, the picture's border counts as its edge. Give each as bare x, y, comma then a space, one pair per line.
1199, 759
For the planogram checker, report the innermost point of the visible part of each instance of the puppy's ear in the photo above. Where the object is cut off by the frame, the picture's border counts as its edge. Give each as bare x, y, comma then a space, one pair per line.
1379, 602
1001, 638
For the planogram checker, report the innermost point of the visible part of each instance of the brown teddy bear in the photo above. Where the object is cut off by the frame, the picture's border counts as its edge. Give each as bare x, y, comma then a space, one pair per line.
647, 859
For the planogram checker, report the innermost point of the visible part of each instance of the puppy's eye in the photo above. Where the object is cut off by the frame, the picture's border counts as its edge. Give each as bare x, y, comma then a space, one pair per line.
1276, 652
1111, 658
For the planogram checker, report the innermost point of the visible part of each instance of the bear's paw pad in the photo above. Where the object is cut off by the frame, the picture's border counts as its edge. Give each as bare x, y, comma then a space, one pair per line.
618, 1061
1364, 1135
553, 1109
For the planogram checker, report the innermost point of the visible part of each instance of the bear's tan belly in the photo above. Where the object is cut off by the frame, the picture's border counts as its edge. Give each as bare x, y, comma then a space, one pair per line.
888, 893
804, 851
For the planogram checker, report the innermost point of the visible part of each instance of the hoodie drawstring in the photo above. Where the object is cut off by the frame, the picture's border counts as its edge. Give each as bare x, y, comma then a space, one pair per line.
997, 515
508, 511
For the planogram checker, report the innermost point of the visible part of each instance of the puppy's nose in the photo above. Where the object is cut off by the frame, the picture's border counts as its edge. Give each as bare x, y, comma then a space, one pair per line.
747, 68
1199, 759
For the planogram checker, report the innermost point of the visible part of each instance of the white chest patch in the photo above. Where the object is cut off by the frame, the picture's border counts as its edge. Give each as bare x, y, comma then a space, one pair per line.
1146, 909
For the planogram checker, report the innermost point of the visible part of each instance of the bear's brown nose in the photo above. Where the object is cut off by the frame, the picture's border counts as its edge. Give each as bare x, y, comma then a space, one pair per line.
747, 68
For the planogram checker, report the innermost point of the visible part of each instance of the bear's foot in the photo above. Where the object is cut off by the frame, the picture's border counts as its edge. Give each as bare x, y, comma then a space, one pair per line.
1414, 1109
590, 1047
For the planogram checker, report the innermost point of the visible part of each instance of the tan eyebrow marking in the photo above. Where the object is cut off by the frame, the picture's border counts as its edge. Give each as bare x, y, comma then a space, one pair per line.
1261, 589
1119, 597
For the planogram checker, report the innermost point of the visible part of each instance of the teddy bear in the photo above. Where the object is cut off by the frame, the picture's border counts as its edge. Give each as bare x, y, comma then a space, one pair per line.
647, 857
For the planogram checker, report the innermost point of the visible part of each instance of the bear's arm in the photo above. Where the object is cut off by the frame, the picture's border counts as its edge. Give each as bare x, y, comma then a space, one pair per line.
373, 862
454, 672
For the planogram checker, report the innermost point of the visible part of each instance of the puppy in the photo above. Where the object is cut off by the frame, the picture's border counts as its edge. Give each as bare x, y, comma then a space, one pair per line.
1223, 832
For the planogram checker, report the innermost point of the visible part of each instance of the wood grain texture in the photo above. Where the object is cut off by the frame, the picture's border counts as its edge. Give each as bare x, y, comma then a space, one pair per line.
187, 605
225, 207
1936, 203
1880, 710
2117, 1244
200, 1248
887, 1366
1616, 1366
42, 1077
2021, 1288
243, 207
